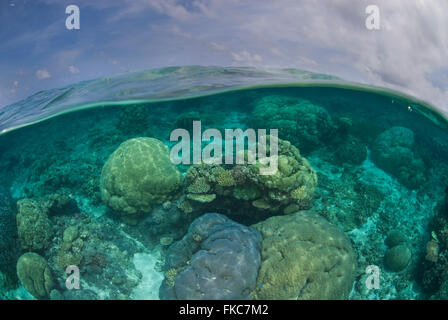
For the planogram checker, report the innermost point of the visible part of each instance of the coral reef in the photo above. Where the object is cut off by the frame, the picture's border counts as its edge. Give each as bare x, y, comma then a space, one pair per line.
35, 275
433, 264
306, 125
9, 248
345, 200
243, 188
60, 204
395, 238
33, 225
134, 119
364, 169
217, 259
101, 251
393, 152
70, 252
397, 258
352, 151
304, 257
138, 175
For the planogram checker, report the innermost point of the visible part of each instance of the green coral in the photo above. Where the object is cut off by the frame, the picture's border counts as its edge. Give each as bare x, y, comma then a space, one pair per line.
246, 192
225, 179
394, 152
35, 275
70, 252
33, 225
185, 206
306, 125
351, 151
397, 258
138, 175
170, 275
199, 185
293, 183
134, 119
202, 198
304, 257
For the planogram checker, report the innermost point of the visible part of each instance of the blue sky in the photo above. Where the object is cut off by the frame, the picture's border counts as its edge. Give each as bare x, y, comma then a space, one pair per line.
409, 52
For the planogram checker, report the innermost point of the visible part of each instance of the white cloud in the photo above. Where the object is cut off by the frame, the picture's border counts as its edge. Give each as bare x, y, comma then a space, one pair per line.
246, 57
329, 37
218, 46
73, 69
408, 53
171, 8
42, 74
178, 32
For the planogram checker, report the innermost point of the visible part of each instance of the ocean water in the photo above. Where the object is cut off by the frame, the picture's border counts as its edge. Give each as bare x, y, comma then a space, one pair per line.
93, 207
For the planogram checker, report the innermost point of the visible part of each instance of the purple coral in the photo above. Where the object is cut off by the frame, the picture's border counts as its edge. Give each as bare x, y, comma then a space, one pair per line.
224, 258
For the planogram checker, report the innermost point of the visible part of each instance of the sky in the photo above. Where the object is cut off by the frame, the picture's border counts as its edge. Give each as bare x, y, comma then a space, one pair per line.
409, 52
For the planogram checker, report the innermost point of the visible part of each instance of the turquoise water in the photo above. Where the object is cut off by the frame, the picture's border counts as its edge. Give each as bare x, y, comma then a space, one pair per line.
362, 181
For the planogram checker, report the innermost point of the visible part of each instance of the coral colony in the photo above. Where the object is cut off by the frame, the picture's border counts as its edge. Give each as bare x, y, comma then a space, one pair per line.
212, 153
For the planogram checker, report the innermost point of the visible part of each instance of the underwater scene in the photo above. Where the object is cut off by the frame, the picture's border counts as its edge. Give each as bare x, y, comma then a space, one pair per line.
104, 193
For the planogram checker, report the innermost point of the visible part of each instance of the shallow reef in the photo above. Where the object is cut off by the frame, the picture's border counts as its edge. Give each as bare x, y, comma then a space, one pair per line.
361, 181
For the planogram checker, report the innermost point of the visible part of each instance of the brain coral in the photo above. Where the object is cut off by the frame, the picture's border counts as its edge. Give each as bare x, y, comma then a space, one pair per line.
35, 275
34, 227
304, 257
304, 124
393, 152
217, 259
397, 258
138, 175
8, 235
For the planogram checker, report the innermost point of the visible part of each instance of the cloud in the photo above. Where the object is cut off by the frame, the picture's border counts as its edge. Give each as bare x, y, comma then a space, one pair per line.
330, 37
171, 8
73, 69
178, 32
409, 53
218, 46
246, 58
42, 74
